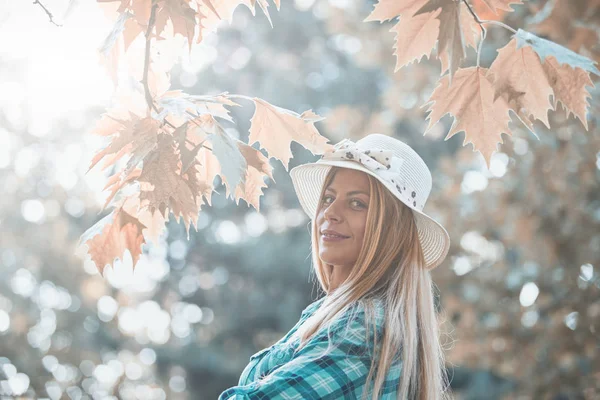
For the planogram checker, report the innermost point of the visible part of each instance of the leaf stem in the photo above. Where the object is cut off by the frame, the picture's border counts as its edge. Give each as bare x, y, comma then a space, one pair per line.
147, 56
47, 12
487, 21
483, 30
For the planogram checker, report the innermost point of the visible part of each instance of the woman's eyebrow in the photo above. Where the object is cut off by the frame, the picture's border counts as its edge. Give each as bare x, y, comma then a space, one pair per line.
350, 193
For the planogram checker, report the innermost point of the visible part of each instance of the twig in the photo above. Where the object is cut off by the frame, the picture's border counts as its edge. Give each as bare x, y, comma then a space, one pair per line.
147, 56
486, 21
483, 30
47, 12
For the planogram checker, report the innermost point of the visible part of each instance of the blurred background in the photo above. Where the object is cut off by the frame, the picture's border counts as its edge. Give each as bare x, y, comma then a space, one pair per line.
519, 290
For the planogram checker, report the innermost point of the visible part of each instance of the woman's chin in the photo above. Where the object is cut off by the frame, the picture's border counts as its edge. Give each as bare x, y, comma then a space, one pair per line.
330, 258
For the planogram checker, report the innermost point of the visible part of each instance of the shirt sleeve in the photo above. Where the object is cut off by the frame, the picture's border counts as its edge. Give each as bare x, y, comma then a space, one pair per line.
328, 367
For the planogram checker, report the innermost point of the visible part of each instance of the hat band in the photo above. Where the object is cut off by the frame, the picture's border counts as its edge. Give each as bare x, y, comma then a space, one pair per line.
381, 162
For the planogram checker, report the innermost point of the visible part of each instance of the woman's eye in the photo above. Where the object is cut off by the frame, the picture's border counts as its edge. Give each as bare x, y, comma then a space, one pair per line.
360, 204
354, 202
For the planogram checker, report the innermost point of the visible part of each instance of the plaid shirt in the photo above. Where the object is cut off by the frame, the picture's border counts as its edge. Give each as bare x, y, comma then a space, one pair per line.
276, 373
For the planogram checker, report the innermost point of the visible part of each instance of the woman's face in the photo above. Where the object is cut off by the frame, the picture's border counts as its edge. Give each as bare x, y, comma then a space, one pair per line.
343, 209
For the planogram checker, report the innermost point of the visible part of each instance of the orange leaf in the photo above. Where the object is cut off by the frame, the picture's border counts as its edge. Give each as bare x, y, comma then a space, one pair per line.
495, 5
162, 186
470, 100
275, 128
111, 236
519, 77
451, 42
390, 9
415, 38
250, 189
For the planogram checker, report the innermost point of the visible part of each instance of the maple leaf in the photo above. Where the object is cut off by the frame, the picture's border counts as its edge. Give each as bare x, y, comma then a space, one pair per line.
415, 38
186, 106
111, 236
208, 168
182, 16
569, 87
212, 12
155, 223
568, 73
163, 186
389, 9
136, 136
115, 183
418, 34
519, 77
504, 5
250, 189
470, 100
450, 36
275, 128
233, 164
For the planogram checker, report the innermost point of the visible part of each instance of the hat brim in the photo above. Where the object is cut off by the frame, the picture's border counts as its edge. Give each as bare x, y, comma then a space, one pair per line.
308, 181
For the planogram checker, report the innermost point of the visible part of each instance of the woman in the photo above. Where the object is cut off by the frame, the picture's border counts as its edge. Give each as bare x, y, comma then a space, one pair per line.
375, 333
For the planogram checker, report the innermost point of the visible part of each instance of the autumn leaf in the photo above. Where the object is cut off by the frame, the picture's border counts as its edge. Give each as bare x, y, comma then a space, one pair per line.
185, 106
546, 48
275, 128
162, 186
250, 189
115, 183
529, 69
181, 15
519, 77
111, 236
495, 5
389, 9
470, 100
154, 222
136, 136
417, 35
415, 38
451, 42
233, 164
569, 87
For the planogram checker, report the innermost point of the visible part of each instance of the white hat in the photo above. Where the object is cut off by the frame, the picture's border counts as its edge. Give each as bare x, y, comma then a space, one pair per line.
397, 166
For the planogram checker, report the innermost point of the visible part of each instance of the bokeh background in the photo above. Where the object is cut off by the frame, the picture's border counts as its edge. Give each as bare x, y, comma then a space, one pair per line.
519, 290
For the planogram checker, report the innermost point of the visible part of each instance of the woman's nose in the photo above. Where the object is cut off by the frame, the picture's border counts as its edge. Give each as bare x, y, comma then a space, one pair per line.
331, 212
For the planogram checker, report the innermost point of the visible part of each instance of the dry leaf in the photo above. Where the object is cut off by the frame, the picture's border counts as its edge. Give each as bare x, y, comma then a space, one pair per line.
451, 42
275, 128
163, 187
519, 77
470, 100
495, 5
567, 71
233, 164
415, 38
250, 189
389, 9
111, 236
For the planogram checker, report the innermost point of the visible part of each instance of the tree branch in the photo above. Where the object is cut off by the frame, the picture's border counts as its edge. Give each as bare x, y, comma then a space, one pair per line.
47, 12
147, 56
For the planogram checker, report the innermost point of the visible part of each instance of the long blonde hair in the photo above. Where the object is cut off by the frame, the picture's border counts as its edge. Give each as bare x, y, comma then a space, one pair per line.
390, 266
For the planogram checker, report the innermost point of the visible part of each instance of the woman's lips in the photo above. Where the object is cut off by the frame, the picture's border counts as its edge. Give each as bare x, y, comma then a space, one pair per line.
327, 238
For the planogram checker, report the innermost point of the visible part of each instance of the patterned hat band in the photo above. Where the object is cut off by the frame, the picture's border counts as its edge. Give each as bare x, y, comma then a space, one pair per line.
381, 162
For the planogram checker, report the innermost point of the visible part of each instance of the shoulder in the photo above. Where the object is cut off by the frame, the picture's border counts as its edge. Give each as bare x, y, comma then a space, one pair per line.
312, 307
361, 324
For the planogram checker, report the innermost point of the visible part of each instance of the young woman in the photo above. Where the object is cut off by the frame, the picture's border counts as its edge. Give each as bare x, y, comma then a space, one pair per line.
375, 333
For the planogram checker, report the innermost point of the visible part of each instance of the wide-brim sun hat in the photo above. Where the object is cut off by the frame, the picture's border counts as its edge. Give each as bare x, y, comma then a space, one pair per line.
393, 163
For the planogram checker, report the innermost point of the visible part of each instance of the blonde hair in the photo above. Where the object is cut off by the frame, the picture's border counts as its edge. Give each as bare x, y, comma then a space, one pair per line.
390, 267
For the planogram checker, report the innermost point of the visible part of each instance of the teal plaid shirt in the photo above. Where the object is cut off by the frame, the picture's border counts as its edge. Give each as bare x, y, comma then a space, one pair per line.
276, 373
